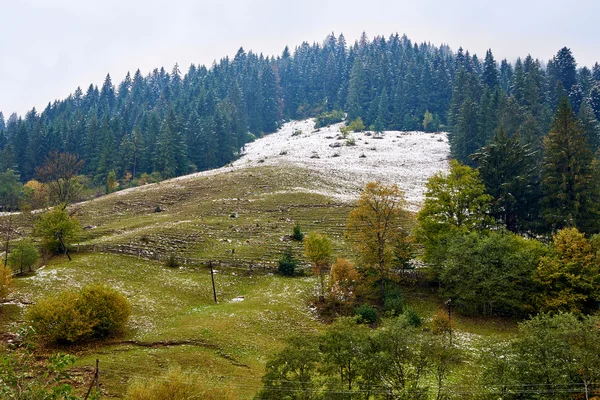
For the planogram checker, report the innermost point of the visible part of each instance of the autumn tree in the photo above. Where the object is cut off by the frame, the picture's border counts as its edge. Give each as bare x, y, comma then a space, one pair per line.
59, 172
343, 280
375, 228
569, 277
317, 248
36, 194
6, 282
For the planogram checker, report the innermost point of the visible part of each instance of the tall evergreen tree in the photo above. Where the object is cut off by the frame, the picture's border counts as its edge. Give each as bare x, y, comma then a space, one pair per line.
490, 70
568, 177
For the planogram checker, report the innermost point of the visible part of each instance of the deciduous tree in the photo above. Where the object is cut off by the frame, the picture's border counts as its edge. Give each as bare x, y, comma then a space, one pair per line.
317, 248
59, 172
375, 228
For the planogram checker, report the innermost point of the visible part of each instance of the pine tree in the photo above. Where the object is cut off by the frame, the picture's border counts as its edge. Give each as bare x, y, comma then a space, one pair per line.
508, 169
568, 180
590, 126
490, 70
565, 68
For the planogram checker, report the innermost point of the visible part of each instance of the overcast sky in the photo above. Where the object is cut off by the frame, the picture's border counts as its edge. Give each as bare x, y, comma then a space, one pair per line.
49, 47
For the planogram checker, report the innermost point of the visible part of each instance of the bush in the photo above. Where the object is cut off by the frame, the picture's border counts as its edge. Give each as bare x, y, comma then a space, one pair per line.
393, 303
366, 314
95, 311
297, 234
412, 318
6, 282
356, 126
171, 261
441, 323
287, 263
329, 118
176, 385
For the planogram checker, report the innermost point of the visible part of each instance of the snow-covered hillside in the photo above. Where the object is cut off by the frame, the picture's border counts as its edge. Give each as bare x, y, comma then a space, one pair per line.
407, 159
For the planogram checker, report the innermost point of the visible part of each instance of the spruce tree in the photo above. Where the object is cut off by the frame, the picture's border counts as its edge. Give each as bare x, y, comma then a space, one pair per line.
508, 169
568, 181
490, 70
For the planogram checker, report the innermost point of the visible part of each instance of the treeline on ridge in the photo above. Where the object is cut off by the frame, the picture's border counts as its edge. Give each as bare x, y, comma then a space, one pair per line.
168, 124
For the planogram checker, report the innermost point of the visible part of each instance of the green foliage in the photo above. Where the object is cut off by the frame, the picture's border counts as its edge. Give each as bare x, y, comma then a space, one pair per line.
94, 312
554, 356
23, 256
393, 303
297, 233
412, 317
11, 190
111, 182
57, 222
355, 126
490, 273
508, 168
367, 314
453, 202
287, 263
397, 361
569, 179
329, 118
23, 377
292, 373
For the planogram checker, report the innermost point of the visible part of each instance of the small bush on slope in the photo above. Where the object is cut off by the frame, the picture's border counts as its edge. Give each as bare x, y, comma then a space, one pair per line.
94, 312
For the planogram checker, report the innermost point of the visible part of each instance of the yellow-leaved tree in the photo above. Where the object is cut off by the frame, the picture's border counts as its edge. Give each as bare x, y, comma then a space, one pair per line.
570, 275
377, 228
317, 248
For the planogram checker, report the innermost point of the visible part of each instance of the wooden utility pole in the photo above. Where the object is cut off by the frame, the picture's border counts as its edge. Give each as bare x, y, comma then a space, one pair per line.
212, 277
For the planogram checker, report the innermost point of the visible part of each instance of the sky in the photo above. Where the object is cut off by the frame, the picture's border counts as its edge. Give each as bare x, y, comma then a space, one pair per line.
50, 47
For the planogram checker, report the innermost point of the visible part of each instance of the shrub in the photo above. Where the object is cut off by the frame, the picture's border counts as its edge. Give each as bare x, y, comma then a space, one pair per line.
287, 263
95, 311
6, 282
441, 323
297, 234
366, 313
393, 303
412, 318
329, 118
171, 261
176, 385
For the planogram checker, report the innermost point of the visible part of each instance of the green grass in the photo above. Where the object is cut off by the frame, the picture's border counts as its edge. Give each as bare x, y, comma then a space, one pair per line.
174, 318
175, 321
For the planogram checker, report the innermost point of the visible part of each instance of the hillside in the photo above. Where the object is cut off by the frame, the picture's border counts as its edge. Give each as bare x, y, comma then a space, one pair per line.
238, 217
